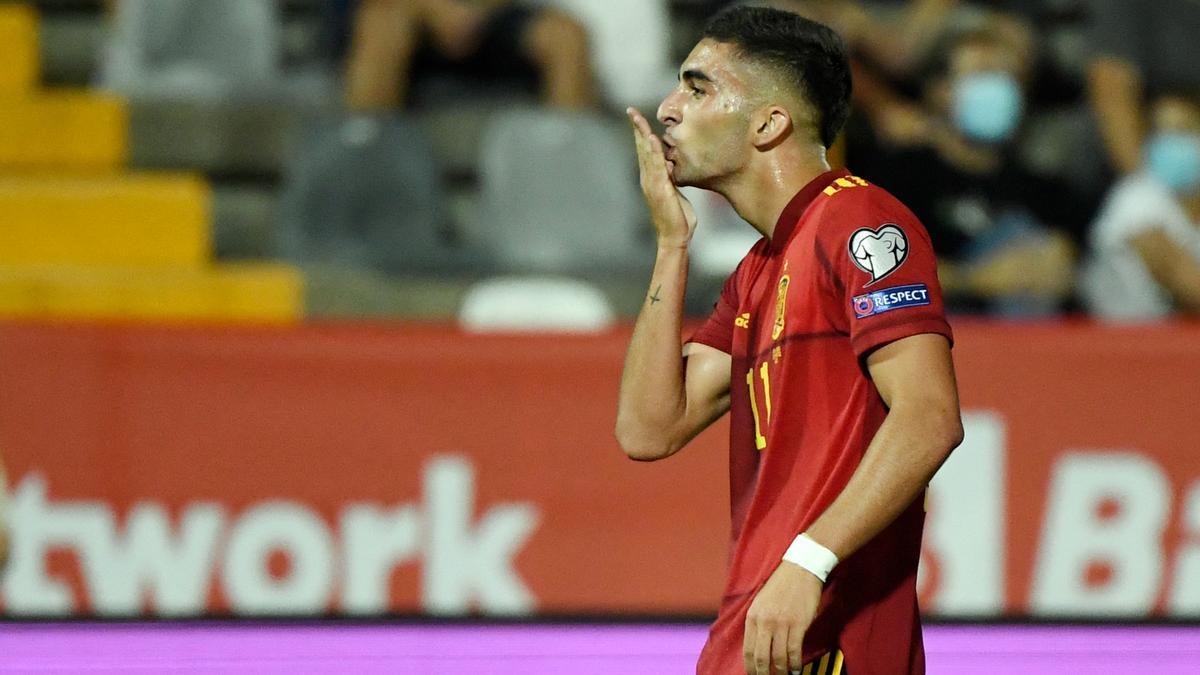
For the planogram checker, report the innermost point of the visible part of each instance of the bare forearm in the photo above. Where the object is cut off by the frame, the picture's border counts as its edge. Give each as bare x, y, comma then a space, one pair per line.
1185, 290
906, 452
652, 398
1115, 90
1171, 266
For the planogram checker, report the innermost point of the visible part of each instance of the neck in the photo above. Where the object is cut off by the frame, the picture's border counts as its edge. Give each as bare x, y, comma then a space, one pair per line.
760, 193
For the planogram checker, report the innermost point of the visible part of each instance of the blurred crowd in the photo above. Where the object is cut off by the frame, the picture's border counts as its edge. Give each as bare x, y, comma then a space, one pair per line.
1051, 147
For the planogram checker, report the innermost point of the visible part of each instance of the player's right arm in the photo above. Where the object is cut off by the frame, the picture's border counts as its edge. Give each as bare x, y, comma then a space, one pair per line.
666, 398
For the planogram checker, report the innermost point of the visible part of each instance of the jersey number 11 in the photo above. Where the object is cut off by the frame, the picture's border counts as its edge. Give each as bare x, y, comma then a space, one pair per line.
760, 441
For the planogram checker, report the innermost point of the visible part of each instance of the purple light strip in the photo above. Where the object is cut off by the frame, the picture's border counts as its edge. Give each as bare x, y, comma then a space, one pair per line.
503, 650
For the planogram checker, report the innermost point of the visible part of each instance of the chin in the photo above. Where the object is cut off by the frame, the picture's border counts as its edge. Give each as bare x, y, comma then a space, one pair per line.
682, 179
690, 181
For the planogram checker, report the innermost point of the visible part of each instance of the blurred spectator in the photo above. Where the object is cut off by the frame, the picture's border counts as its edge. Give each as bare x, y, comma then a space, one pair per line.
1145, 255
899, 41
630, 44
887, 49
1142, 50
391, 39
997, 227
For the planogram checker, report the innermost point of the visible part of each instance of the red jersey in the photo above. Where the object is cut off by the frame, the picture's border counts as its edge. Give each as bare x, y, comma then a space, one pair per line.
848, 269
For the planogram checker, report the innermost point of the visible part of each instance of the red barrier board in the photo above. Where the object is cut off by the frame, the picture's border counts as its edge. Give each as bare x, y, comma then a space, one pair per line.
360, 470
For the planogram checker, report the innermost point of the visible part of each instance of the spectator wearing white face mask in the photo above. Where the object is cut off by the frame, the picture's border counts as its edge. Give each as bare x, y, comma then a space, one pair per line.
1145, 250
1138, 47
998, 229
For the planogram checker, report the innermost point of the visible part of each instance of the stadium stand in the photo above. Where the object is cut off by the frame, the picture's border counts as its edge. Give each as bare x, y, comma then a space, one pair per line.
80, 237
148, 220
244, 143
62, 131
559, 190
366, 192
189, 49
18, 49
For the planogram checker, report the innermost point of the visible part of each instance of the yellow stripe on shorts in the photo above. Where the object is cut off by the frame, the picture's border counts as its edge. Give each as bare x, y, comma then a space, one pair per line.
829, 664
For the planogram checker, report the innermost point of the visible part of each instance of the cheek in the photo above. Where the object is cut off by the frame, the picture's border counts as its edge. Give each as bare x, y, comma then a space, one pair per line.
710, 126
732, 104
728, 139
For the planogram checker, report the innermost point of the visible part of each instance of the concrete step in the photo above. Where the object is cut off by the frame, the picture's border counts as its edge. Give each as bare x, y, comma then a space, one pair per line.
130, 221
63, 131
18, 49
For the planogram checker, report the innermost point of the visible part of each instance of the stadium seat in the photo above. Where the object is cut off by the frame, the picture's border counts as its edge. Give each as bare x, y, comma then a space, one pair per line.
559, 194
18, 49
516, 304
137, 221
365, 192
267, 293
71, 131
193, 49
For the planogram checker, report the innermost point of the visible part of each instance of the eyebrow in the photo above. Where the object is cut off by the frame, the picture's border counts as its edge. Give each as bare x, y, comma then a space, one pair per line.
695, 75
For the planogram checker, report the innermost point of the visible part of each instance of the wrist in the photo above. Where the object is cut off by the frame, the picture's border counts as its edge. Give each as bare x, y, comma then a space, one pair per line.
812, 556
668, 245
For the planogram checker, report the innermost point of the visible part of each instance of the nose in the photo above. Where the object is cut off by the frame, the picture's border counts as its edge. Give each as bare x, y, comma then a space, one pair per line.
668, 110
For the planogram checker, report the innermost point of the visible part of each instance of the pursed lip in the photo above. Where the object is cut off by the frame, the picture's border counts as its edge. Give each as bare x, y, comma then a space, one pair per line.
668, 147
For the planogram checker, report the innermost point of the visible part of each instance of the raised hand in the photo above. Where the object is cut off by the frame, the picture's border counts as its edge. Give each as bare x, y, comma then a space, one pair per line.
673, 217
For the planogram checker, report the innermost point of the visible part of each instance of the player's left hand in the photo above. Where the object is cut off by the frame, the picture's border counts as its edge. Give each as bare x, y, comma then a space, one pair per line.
778, 619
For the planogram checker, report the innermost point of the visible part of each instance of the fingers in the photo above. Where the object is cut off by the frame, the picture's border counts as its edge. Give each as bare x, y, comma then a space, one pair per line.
639, 137
779, 650
641, 130
762, 652
651, 159
756, 650
771, 648
639, 122
795, 646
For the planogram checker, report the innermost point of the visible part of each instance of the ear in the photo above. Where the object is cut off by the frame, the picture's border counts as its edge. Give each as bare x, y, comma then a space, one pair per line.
772, 125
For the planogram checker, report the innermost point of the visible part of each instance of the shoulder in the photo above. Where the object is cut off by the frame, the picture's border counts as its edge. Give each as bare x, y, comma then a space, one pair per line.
1141, 188
1136, 203
744, 268
853, 204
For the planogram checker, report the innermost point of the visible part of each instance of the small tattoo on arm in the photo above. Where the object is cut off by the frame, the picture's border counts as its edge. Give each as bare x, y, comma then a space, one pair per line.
654, 299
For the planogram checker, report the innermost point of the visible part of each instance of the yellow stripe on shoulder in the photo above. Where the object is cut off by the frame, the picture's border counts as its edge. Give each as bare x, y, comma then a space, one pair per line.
844, 183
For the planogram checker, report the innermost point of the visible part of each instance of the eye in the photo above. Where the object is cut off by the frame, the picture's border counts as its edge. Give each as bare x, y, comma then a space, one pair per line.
697, 92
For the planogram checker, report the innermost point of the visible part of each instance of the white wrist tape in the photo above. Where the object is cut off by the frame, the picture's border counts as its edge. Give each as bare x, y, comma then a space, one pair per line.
812, 556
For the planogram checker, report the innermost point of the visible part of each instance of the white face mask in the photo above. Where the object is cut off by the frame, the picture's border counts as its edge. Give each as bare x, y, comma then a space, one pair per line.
1173, 157
988, 106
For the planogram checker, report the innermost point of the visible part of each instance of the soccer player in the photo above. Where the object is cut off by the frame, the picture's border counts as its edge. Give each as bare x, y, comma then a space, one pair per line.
828, 344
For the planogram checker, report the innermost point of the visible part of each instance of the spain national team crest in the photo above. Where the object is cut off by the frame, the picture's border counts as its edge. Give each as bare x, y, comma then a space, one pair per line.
781, 306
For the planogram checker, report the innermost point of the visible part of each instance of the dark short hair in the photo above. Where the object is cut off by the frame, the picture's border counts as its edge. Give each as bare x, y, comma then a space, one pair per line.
810, 52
